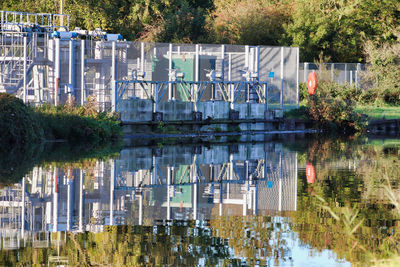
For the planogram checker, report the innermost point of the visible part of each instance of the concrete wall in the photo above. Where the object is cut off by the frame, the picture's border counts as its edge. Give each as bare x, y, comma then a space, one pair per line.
176, 110
135, 109
214, 110
250, 110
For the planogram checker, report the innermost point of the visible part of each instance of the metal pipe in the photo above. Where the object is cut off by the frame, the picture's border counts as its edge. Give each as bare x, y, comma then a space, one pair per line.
82, 72
113, 79
112, 163
71, 66
81, 177
57, 71
25, 71
142, 55
282, 77
297, 76
196, 77
231, 88
170, 95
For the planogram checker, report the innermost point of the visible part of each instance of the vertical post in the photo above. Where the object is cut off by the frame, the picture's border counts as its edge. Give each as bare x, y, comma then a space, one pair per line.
357, 75
57, 71
112, 164
23, 208
257, 62
246, 56
155, 96
351, 77
282, 77
297, 75
55, 201
223, 61
81, 177
280, 181
82, 72
305, 72
231, 87
345, 73
170, 95
265, 88
332, 72
141, 208
142, 56
295, 182
168, 197
69, 205
196, 77
71, 67
114, 95
25, 70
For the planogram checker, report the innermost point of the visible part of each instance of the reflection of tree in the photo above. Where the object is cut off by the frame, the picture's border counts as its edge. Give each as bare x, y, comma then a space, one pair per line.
180, 244
254, 237
347, 211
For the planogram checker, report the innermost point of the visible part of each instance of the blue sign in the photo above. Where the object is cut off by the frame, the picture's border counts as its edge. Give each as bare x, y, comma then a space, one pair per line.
270, 184
271, 74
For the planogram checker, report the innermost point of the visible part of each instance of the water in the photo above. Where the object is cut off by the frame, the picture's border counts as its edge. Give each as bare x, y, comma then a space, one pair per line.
281, 202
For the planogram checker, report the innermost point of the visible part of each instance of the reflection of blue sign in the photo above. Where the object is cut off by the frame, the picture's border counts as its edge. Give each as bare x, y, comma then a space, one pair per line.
270, 184
271, 74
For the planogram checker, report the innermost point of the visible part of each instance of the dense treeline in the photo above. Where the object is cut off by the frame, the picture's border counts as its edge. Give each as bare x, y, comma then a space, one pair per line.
335, 29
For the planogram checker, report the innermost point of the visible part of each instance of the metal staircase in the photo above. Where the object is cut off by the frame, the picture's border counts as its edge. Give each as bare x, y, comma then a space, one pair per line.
13, 56
23, 43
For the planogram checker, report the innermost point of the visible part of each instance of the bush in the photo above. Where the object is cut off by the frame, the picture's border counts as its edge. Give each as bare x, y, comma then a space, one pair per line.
382, 76
18, 123
334, 109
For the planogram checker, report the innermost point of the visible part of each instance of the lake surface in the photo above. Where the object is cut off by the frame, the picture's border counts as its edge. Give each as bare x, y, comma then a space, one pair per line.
258, 201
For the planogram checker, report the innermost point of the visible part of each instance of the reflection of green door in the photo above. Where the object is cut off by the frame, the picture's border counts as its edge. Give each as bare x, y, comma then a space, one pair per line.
183, 196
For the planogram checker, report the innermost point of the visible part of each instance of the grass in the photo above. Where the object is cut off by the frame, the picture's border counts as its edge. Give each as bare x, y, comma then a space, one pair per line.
375, 113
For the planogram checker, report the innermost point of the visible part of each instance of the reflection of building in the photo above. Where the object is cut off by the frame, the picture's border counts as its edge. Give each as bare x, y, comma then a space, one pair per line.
144, 185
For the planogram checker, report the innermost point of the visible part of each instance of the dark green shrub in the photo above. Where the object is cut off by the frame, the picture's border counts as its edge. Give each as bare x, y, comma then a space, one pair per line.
18, 123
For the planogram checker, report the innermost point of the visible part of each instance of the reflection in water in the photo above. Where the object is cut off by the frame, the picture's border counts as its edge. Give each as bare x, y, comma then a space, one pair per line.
146, 185
241, 204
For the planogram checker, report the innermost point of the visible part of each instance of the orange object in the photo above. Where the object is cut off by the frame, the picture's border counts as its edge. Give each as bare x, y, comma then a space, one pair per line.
312, 83
310, 173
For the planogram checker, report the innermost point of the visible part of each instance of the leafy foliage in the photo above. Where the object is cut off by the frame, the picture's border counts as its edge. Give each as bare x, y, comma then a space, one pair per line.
18, 123
337, 28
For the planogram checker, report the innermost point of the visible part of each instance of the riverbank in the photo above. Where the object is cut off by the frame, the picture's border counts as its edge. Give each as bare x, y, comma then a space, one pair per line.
23, 125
